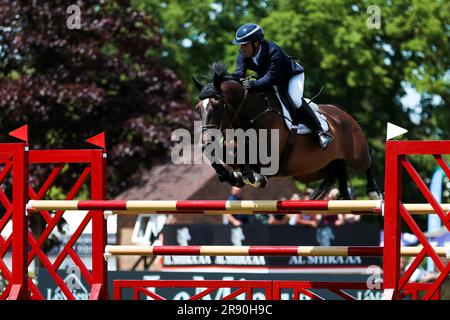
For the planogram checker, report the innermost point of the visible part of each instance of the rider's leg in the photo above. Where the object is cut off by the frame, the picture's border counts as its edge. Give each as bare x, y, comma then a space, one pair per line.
304, 111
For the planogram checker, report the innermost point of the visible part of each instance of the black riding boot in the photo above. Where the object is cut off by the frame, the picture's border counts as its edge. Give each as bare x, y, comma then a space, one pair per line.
309, 117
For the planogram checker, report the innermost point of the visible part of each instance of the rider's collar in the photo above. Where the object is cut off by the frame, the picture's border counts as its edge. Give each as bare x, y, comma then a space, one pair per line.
256, 57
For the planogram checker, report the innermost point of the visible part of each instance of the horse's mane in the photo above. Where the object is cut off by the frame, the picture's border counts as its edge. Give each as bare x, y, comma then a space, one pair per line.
221, 69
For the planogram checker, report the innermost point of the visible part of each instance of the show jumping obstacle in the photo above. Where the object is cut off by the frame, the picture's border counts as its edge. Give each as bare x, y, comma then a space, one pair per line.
223, 207
17, 158
305, 251
24, 246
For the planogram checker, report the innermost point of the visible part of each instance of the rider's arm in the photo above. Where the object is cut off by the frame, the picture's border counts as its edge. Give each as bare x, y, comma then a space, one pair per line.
272, 74
241, 68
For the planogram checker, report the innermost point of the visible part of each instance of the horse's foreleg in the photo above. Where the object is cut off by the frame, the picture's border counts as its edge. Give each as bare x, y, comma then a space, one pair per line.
250, 174
246, 174
233, 178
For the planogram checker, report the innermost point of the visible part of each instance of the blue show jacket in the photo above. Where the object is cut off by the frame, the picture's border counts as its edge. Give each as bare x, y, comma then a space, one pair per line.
274, 67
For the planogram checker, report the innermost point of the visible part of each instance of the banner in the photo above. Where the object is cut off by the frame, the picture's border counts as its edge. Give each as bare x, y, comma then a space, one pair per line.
358, 234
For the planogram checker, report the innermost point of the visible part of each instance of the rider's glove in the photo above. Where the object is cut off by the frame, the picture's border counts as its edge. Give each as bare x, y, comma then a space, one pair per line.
248, 84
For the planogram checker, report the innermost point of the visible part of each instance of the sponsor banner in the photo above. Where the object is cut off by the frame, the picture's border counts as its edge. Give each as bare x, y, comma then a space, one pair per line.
358, 234
80, 289
83, 245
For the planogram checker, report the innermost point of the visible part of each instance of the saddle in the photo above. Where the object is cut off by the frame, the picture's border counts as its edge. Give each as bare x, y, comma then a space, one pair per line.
289, 112
294, 125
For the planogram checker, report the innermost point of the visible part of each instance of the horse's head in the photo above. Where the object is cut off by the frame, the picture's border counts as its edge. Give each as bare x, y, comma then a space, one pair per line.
213, 111
218, 101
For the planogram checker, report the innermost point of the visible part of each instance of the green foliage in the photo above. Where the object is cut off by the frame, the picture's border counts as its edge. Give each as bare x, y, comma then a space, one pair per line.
71, 84
195, 33
365, 71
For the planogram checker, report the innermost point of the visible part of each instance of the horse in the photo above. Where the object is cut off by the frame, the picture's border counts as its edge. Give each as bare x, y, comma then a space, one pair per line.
225, 104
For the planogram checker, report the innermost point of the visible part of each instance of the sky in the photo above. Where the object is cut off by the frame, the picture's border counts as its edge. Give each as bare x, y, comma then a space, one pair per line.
412, 101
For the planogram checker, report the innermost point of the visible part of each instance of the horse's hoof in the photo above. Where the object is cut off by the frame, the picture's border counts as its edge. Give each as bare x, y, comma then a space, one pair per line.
237, 179
250, 178
264, 181
260, 181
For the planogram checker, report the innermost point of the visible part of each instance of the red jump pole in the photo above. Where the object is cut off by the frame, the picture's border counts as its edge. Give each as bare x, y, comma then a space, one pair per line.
393, 194
99, 289
19, 287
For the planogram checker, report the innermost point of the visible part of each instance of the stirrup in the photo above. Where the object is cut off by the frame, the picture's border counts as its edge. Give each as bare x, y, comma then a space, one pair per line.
325, 139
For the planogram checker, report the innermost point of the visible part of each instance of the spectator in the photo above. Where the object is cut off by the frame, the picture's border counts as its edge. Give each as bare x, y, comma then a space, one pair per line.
333, 219
352, 218
236, 219
294, 216
279, 218
171, 219
303, 218
262, 218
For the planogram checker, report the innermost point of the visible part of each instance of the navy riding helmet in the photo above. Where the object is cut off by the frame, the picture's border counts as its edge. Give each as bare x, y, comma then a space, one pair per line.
247, 33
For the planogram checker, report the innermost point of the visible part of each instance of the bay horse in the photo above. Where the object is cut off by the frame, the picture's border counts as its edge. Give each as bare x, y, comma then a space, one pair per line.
226, 104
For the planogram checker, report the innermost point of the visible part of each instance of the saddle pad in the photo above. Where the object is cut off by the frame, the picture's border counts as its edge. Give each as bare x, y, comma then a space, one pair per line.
302, 129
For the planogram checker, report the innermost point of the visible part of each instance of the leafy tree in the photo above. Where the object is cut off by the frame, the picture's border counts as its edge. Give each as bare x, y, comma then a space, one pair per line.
69, 84
195, 33
365, 71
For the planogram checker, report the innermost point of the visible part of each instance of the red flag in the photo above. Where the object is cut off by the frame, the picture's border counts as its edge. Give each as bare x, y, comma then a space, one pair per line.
98, 140
20, 133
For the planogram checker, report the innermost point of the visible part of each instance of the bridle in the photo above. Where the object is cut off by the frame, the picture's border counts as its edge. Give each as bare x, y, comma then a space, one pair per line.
226, 107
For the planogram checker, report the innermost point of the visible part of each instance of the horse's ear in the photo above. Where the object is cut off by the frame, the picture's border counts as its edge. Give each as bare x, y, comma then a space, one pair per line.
217, 80
198, 84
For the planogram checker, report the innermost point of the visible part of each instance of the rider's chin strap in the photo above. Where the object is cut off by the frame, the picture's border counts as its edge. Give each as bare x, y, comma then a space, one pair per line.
236, 114
254, 48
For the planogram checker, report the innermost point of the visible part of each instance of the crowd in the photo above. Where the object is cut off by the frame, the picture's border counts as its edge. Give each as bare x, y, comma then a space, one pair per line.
296, 218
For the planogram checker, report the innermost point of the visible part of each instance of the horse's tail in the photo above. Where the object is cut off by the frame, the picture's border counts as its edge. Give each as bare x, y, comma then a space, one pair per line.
333, 170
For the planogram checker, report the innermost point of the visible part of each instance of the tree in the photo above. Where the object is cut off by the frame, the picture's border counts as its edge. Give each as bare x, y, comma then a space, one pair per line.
69, 84
196, 33
364, 70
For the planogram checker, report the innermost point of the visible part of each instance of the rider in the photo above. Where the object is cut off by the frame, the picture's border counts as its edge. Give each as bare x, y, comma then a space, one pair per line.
274, 67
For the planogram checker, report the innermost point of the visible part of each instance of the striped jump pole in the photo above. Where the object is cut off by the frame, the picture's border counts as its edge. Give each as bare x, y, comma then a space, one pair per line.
338, 251
222, 206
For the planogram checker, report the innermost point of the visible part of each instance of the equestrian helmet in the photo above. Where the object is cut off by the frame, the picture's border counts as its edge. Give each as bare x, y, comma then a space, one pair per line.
247, 33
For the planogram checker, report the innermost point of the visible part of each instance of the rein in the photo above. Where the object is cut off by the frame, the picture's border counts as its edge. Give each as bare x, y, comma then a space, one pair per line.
269, 109
236, 114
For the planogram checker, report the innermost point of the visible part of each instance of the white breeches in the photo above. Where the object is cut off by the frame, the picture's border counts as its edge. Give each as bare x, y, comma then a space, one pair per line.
295, 89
